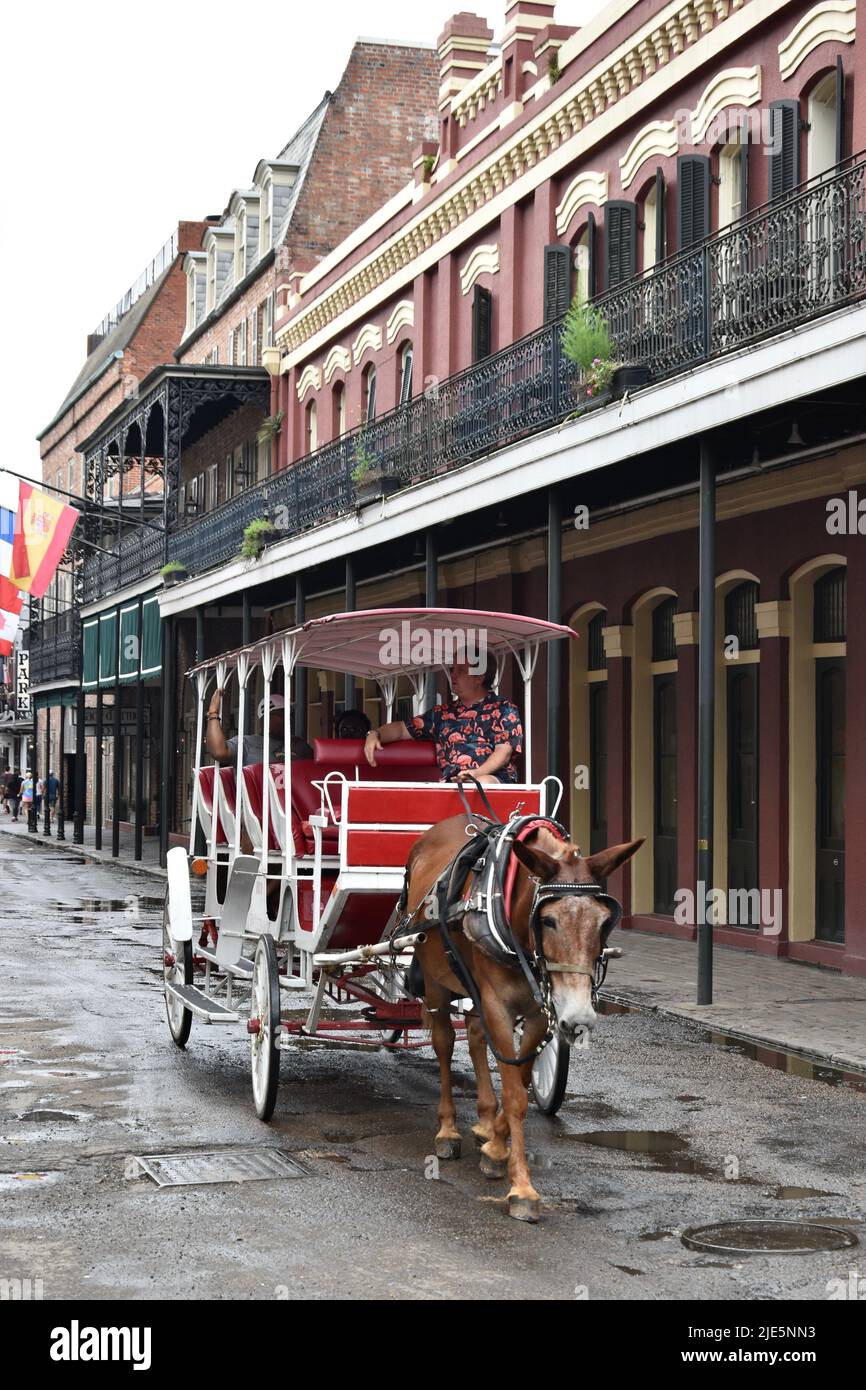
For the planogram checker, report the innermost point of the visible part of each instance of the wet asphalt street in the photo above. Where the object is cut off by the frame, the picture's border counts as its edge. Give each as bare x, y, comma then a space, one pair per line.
90, 1076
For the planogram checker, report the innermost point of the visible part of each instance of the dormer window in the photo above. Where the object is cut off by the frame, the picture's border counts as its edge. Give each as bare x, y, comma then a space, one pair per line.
267, 217
240, 246
219, 245
195, 267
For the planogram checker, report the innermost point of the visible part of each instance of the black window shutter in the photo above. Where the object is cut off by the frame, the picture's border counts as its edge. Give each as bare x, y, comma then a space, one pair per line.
660, 217
785, 156
620, 242
482, 323
591, 280
840, 111
557, 281
693, 187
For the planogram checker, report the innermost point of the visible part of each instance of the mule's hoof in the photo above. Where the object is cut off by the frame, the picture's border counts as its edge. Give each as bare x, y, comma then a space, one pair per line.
494, 1167
481, 1138
524, 1208
447, 1148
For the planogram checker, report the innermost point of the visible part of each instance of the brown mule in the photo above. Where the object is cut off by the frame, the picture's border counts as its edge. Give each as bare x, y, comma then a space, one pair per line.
572, 929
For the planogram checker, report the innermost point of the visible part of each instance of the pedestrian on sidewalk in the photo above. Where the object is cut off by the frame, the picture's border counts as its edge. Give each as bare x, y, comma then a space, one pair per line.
13, 793
26, 794
38, 794
4, 787
52, 786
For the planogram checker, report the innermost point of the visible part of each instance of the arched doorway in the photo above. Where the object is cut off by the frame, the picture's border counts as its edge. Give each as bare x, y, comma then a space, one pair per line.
830, 630
742, 679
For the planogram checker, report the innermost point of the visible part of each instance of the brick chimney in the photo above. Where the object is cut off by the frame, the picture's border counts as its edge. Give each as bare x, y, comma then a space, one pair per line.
462, 46
524, 19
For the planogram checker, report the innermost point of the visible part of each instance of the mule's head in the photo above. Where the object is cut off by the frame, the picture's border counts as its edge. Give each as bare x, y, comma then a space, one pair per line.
573, 928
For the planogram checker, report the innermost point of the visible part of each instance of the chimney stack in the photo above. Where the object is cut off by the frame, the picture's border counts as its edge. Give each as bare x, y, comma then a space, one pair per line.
524, 20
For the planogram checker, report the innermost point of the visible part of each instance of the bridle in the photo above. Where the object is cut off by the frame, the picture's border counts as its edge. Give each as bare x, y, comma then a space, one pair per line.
554, 892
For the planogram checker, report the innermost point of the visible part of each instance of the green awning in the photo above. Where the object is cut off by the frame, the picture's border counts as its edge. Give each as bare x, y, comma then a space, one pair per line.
107, 647
130, 646
151, 638
51, 699
90, 629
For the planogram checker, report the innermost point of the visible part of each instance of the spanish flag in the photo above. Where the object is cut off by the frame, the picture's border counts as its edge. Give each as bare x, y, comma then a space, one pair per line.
43, 526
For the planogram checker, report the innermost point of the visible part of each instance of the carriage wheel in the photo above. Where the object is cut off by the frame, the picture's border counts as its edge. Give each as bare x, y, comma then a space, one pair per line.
550, 1075
177, 970
265, 1027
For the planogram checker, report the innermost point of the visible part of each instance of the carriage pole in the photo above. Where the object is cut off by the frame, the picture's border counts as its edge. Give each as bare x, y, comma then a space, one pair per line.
554, 607
706, 713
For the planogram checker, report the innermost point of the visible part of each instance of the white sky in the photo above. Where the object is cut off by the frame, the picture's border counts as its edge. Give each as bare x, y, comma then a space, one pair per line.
120, 120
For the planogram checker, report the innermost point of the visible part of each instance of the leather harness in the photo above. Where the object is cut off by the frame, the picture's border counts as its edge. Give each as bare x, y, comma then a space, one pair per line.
487, 866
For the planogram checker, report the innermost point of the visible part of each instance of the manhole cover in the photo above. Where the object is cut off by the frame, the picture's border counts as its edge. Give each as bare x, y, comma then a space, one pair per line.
241, 1165
767, 1237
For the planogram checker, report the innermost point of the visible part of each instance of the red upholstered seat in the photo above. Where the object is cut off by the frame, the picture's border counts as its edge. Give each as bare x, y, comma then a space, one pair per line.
253, 783
349, 752
205, 782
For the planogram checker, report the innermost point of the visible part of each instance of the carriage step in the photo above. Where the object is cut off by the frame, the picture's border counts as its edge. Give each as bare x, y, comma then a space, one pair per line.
293, 982
242, 966
198, 1003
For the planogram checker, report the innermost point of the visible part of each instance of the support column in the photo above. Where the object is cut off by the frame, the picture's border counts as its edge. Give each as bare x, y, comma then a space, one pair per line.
554, 615
46, 812
351, 601
169, 739
200, 844
246, 638
97, 774
61, 777
117, 737
431, 598
33, 764
80, 769
139, 746
298, 725
706, 709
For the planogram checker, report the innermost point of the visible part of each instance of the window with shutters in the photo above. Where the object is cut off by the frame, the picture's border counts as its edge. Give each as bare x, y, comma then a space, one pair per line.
557, 281
620, 242
731, 160
230, 353
255, 359
242, 343
338, 418
650, 213
693, 189
784, 147
269, 321
821, 142
406, 359
312, 427
582, 287
482, 323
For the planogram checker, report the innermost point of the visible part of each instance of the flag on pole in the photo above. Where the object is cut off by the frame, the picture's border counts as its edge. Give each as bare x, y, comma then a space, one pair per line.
8, 513
42, 530
10, 608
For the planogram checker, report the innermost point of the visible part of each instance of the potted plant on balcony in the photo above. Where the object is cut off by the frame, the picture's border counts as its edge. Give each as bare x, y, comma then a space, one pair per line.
370, 478
174, 573
586, 341
257, 535
270, 428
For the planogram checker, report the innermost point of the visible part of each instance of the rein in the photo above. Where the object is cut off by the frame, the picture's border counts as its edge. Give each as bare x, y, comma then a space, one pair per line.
537, 970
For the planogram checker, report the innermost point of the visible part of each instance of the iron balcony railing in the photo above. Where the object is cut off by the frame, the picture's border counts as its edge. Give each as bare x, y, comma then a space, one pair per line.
141, 553
55, 648
780, 266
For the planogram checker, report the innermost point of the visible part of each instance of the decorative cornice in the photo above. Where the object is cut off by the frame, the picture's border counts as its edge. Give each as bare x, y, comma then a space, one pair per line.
586, 187
402, 316
339, 358
657, 138
832, 20
369, 337
310, 376
733, 87
662, 41
484, 260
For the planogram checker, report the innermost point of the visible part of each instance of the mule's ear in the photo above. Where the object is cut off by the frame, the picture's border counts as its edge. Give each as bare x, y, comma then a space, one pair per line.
603, 864
536, 861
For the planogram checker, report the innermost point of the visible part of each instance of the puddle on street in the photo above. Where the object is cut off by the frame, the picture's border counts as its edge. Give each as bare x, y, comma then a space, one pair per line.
796, 1194
669, 1152
779, 1060
52, 1116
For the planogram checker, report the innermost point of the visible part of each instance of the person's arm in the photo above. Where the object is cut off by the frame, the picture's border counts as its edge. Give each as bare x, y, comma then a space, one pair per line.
387, 733
215, 739
499, 758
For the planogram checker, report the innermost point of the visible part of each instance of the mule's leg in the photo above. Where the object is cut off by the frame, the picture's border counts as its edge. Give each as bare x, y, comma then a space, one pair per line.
438, 1002
523, 1200
486, 1103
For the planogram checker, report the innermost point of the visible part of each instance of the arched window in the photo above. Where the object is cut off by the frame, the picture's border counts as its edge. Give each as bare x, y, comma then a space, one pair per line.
654, 745
732, 180
312, 433
650, 231
584, 288
406, 359
369, 396
821, 150
338, 417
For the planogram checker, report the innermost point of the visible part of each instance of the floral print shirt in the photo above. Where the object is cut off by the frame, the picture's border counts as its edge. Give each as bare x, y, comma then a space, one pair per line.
466, 735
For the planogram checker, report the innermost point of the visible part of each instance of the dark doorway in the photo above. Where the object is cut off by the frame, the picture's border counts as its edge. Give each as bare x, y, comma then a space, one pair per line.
743, 778
830, 810
665, 792
597, 766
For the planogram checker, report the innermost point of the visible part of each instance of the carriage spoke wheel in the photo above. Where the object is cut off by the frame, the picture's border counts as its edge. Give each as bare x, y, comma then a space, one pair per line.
264, 1026
550, 1075
177, 970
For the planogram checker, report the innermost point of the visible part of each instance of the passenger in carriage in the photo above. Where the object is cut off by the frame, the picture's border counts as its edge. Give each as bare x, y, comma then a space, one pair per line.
478, 734
352, 723
225, 750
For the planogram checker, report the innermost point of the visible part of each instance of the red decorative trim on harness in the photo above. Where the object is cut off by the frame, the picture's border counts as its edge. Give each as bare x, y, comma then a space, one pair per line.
511, 871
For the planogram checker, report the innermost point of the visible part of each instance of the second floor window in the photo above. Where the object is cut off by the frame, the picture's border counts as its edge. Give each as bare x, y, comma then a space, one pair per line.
312, 428
339, 418
369, 396
406, 358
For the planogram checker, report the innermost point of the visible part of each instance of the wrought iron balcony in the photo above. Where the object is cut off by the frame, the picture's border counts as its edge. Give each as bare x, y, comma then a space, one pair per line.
55, 648
141, 553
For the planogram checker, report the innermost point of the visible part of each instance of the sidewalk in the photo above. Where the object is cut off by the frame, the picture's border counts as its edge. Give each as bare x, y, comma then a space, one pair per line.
148, 864
816, 1014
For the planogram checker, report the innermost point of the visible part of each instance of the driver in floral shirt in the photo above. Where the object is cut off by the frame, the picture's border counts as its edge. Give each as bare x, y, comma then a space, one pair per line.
479, 733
